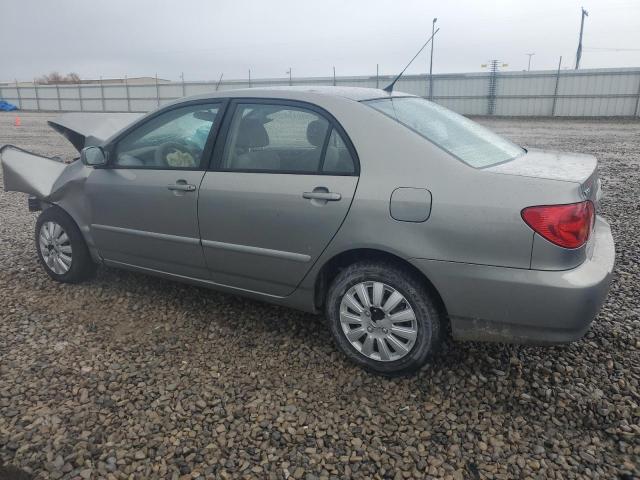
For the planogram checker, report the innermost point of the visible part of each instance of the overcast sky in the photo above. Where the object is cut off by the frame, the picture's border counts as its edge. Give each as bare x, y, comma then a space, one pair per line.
204, 38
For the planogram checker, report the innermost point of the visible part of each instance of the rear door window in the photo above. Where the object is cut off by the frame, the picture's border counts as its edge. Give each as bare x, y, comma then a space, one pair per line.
275, 138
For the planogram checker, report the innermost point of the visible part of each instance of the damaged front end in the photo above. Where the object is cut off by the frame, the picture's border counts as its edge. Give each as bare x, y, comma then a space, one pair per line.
47, 181
50, 181
30, 173
45, 178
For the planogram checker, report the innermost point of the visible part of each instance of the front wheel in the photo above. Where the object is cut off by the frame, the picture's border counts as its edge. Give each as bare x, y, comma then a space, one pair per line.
61, 248
383, 317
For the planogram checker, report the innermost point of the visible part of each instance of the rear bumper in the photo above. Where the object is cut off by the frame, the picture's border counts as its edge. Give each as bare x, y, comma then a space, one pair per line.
511, 305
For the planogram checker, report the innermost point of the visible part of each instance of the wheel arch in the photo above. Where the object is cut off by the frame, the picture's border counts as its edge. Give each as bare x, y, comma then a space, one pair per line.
338, 262
79, 217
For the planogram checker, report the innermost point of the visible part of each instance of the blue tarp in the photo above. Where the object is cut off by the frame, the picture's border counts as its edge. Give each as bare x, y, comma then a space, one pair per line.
7, 107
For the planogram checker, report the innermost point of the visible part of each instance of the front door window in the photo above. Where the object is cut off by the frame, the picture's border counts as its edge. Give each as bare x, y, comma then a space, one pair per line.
173, 140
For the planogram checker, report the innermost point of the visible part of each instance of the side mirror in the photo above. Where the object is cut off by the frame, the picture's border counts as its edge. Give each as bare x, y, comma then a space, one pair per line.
93, 156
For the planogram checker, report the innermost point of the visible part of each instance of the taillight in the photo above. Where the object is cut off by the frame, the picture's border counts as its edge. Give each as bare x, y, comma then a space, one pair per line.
568, 226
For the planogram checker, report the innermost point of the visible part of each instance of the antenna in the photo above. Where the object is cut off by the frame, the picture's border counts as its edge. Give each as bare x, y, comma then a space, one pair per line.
389, 88
219, 81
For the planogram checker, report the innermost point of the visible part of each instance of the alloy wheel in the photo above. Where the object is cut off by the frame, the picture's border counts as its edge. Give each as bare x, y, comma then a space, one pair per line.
55, 247
378, 321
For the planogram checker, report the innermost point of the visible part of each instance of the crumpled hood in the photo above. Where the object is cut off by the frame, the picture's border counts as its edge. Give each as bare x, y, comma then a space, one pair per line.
83, 129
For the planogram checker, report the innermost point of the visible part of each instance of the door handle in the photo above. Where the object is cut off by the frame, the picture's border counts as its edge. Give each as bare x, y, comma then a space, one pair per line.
182, 187
326, 196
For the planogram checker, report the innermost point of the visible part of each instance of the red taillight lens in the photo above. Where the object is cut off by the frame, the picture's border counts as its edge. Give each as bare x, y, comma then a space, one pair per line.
566, 225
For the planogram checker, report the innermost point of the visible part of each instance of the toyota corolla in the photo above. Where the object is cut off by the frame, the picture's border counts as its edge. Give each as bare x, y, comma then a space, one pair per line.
399, 219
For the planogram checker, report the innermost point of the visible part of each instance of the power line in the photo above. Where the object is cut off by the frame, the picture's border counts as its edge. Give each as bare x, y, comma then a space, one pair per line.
613, 49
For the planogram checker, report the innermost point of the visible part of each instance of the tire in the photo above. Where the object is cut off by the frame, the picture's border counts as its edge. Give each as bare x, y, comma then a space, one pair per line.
390, 351
61, 248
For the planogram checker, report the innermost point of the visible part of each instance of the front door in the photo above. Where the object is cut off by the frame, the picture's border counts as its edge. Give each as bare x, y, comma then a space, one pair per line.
282, 185
144, 204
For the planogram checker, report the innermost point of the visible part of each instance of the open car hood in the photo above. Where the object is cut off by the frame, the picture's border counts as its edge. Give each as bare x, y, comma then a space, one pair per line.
84, 129
47, 178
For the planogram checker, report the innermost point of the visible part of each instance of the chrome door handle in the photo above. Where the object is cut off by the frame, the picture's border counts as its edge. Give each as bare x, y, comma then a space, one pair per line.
326, 196
183, 187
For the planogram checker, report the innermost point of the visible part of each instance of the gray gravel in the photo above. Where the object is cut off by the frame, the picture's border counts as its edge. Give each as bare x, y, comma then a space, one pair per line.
130, 376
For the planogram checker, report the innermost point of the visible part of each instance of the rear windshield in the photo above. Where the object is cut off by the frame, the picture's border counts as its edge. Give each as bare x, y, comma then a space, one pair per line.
461, 137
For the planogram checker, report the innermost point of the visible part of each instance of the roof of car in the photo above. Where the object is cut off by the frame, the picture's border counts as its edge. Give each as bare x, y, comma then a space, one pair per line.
352, 93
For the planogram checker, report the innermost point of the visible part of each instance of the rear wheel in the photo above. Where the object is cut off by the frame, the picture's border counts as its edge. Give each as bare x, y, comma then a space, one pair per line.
61, 248
383, 318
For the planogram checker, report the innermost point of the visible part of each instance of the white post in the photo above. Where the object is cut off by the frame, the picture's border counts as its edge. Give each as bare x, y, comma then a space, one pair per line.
126, 87
19, 97
157, 91
35, 87
102, 94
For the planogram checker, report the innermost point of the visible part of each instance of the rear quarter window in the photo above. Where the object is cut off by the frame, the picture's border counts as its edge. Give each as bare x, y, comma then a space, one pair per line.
463, 138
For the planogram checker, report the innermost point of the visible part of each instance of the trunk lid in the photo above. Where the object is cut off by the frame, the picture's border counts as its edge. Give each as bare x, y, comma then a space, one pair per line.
576, 168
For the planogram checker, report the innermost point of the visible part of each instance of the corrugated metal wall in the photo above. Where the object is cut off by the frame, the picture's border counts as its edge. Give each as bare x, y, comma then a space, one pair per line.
596, 92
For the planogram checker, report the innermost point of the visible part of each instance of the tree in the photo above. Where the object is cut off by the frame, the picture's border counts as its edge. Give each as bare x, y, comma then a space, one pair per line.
56, 78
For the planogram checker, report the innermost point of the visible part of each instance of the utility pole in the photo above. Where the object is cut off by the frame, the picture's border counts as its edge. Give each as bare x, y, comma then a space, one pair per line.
433, 32
530, 55
289, 72
493, 86
579, 52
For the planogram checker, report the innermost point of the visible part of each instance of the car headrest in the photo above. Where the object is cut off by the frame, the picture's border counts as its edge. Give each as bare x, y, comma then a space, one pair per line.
252, 134
316, 131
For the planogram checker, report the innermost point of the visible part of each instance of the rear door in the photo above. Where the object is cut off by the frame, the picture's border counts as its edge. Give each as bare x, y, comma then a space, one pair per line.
144, 204
281, 185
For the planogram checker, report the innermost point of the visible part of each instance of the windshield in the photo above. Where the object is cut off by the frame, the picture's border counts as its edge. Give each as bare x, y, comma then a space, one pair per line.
461, 137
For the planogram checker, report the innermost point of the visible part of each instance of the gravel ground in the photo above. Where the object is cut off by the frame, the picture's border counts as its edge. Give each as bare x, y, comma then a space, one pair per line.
130, 376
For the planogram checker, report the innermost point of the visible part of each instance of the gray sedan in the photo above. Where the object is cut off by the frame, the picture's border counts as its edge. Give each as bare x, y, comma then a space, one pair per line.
399, 219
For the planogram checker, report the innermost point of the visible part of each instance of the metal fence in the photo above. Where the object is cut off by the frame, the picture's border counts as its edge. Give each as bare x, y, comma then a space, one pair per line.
574, 93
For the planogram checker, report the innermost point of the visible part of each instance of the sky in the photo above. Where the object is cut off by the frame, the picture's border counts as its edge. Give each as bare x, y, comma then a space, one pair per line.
205, 39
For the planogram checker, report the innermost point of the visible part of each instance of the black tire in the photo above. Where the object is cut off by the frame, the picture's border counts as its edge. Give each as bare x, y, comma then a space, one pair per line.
82, 266
427, 316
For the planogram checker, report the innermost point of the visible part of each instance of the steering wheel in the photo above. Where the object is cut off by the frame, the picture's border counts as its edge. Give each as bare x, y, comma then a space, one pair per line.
184, 154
